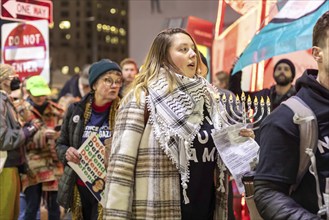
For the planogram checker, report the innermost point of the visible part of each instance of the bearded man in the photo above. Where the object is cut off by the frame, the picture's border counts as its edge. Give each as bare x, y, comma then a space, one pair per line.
283, 74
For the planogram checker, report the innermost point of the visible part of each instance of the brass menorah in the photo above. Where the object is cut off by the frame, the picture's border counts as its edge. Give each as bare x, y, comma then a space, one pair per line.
243, 111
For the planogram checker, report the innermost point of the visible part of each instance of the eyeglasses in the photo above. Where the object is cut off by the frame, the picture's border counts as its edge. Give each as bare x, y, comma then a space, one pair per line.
109, 81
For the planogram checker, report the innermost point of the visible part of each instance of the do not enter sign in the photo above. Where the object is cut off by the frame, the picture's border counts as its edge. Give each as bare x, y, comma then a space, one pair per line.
25, 47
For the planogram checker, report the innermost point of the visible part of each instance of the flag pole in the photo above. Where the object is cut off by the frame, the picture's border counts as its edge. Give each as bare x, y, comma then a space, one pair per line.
258, 69
220, 18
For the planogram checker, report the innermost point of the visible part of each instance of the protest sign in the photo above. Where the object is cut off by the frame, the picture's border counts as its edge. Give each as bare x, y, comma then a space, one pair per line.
91, 168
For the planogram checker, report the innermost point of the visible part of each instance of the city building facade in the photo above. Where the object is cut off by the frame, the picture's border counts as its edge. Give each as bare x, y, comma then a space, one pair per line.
85, 31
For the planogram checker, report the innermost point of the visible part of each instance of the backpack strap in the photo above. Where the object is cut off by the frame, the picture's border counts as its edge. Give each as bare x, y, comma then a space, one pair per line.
308, 133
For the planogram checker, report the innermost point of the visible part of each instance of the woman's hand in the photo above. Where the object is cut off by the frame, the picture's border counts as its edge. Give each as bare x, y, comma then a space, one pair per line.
72, 155
247, 132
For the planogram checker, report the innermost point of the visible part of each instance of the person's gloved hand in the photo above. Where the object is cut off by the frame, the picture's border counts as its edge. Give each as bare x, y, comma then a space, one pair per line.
31, 128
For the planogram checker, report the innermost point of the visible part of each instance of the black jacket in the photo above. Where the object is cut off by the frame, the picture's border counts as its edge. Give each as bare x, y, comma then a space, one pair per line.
71, 135
279, 157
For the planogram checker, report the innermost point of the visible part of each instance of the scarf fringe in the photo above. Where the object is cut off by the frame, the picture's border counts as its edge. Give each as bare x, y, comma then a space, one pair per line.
163, 131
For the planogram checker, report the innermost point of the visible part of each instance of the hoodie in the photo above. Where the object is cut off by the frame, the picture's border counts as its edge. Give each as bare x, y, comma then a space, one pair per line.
279, 156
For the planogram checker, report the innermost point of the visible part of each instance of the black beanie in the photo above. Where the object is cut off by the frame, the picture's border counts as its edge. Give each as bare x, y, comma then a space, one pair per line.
99, 68
290, 64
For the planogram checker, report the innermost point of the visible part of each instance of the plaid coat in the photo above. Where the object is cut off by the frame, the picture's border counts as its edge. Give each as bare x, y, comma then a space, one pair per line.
142, 182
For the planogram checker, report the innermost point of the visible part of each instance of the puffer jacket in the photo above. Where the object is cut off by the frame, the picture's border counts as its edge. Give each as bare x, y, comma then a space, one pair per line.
71, 135
12, 137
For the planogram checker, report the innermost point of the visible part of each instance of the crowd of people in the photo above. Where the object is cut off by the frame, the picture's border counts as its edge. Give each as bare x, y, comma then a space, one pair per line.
124, 143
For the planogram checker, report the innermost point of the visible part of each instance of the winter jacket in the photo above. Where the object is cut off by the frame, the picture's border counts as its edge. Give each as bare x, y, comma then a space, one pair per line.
12, 137
42, 159
138, 162
71, 136
279, 157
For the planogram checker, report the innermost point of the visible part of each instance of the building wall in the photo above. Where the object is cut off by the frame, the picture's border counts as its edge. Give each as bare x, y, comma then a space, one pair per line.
98, 29
144, 24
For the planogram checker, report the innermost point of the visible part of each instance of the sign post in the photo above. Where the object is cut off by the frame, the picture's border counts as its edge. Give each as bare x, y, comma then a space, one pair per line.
25, 46
23, 10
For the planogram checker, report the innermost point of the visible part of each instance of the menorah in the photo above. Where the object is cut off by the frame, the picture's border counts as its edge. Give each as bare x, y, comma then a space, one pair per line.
241, 112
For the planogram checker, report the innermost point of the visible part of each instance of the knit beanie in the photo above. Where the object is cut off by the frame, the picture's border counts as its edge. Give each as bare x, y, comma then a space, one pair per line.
99, 68
290, 64
6, 71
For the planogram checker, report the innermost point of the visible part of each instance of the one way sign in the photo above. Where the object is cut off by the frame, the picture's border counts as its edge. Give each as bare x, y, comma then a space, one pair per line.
26, 10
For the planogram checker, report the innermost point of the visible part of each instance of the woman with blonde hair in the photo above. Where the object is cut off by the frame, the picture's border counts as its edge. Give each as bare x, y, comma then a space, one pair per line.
164, 163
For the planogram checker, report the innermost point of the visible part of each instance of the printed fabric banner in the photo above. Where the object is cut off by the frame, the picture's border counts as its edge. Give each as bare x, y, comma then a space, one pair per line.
290, 30
91, 169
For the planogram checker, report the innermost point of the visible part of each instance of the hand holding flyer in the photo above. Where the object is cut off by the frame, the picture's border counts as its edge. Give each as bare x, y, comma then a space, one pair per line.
239, 154
91, 168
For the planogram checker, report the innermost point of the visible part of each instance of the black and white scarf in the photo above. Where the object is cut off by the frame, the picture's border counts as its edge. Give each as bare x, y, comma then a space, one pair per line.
177, 117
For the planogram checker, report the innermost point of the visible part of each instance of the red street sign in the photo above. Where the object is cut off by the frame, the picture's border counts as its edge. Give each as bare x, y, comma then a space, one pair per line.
26, 10
25, 48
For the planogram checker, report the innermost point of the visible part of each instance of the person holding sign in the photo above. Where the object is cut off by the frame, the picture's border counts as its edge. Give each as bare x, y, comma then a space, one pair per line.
164, 163
94, 114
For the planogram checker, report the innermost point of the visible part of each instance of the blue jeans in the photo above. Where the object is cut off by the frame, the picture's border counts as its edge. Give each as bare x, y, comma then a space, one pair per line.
33, 198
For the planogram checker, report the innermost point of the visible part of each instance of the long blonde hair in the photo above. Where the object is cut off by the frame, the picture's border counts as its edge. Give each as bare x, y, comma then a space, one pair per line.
158, 57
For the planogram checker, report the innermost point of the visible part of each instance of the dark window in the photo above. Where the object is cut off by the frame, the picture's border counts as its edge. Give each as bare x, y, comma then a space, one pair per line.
65, 14
63, 35
88, 14
64, 44
64, 3
78, 13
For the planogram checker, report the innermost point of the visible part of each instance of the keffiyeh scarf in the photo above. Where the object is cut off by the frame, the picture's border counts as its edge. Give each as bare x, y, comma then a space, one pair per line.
177, 117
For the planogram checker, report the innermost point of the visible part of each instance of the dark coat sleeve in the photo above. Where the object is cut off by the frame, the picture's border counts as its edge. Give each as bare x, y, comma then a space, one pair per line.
273, 202
11, 137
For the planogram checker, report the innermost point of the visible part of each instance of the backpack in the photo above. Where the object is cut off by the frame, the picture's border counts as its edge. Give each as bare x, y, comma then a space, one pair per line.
308, 133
